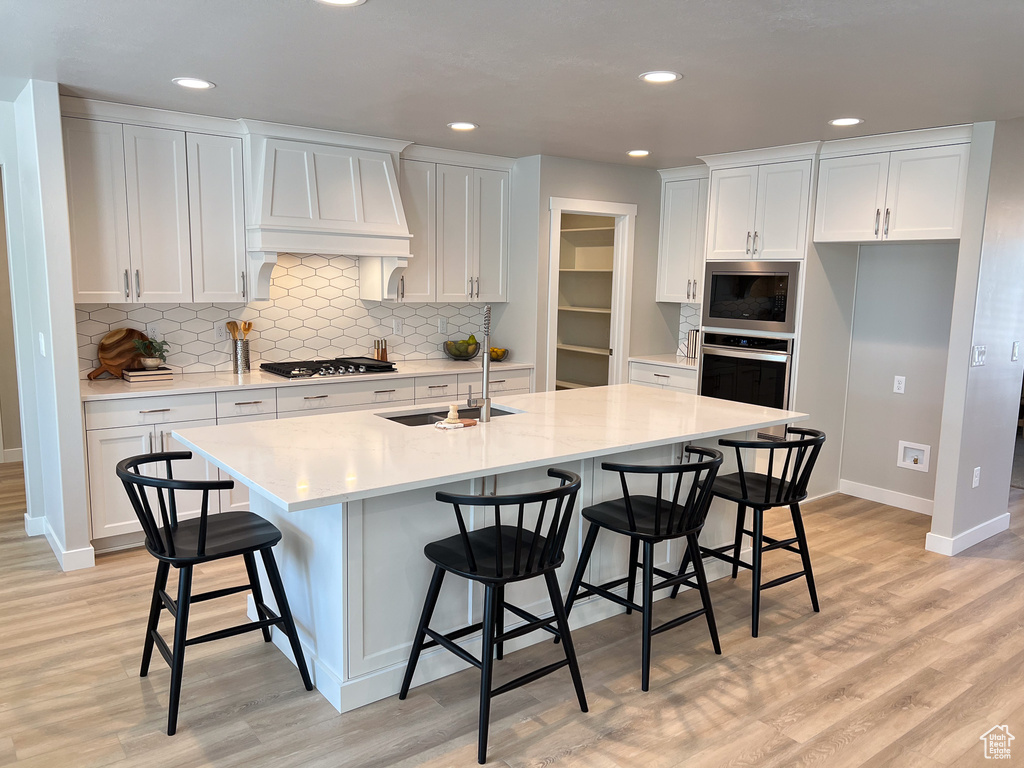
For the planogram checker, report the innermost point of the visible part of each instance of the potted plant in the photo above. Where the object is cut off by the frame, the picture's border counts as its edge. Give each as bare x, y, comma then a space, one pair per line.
152, 352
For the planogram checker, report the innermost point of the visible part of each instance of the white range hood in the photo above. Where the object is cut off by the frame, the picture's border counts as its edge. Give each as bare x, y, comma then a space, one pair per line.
328, 193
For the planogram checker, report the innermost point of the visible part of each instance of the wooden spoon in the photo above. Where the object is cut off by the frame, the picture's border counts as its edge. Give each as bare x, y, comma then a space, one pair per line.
246, 327
233, 329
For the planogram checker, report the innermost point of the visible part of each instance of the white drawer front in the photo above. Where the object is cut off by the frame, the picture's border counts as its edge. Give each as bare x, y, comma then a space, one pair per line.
501, 382
437, 387
246, 402
684, 379
162, 409
340, 409
344, 393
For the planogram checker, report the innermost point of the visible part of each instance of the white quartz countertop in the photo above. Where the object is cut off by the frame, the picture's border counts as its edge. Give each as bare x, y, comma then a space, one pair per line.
189, 383
670, 359
313, 461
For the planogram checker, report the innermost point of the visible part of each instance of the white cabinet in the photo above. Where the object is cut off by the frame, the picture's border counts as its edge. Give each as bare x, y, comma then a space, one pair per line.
217, 217
156, 215
472, 234
663, 376
419, 197
909, 194
684, 206
759, 211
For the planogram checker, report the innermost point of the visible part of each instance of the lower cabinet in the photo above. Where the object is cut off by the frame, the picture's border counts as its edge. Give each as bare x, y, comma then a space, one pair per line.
663, 376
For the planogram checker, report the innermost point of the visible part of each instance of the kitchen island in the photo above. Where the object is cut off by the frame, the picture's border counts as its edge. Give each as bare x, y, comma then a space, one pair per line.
353, 494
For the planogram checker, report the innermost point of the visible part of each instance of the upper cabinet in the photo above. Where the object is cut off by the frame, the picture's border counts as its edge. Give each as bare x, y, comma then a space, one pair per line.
759, 211
907, 194
156, 214
684, 206
419, 196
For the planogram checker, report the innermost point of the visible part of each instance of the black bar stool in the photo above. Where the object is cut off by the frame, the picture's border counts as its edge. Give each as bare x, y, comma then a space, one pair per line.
188, 543
783, 485
649, 520
496, 556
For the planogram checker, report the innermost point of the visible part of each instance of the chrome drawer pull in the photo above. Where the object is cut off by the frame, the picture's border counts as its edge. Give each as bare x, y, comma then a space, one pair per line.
433, 386
316, 397
661, 375
383, 391
157, 410
251, 402
497, 381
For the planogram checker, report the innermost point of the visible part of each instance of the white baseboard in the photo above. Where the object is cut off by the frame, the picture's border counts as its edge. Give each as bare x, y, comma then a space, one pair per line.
12, 454
944, 545
887, 497
70, 559
35, 526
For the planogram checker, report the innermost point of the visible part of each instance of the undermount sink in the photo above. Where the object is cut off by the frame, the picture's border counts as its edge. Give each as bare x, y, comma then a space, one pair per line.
419, 419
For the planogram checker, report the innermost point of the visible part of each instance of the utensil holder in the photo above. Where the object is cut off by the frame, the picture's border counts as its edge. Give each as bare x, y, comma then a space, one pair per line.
240, 356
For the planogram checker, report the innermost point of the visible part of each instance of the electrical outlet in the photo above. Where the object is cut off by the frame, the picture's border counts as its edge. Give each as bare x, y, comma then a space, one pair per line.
153, 330
899, 385
976, 481
977, 356
442, 325
220, 332
396, 325
1015, 353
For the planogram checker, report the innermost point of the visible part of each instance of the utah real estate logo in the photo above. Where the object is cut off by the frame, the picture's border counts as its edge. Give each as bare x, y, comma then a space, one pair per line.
997, 742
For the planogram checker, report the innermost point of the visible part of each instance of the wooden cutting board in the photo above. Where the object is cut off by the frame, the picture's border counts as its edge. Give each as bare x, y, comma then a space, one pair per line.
117, 352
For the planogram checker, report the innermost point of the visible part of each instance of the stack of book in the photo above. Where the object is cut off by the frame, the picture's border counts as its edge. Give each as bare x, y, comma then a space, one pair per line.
146, 375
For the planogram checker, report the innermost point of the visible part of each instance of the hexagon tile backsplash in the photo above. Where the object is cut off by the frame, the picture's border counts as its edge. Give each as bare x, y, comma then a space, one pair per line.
314, 312
689, 318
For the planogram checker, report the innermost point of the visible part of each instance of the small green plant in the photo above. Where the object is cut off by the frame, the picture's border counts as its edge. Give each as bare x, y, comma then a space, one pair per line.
152, 348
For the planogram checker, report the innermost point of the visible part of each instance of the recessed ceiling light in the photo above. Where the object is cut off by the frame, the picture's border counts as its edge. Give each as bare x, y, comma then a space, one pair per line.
341, 2
194, 83
843, 122
638, 153
661, 76
462, 126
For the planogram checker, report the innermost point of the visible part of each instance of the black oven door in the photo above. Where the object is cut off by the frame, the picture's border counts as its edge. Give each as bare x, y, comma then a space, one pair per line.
758, 378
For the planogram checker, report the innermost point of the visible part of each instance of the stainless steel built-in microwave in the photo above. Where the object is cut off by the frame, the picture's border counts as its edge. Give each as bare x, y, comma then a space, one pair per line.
751, 295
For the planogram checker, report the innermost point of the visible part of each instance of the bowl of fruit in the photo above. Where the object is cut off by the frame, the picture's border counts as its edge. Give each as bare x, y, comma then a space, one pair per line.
462, 350
498, 354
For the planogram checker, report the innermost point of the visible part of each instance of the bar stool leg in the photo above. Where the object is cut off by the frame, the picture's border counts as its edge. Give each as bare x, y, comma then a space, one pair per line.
682, 567
417, 644
178, 652
499, 620
581, 568
486, 670
634, 552
705, 593
274, 577
741, 518
805, 555
162, 570
563, 629
648, 616
755, 587
257, 591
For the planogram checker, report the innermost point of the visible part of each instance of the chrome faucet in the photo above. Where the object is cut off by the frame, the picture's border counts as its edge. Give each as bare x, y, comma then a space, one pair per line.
484, 402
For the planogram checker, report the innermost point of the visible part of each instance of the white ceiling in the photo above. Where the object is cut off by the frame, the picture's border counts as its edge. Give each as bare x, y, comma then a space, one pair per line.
556, 77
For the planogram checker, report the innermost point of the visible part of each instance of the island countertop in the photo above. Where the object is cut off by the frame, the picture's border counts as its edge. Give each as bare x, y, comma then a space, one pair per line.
316, 461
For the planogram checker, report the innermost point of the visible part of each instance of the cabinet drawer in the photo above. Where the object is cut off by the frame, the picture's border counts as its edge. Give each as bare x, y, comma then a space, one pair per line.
437, 386
246, 402
663, 376
135, 411
341, 409
318, 396
501, 382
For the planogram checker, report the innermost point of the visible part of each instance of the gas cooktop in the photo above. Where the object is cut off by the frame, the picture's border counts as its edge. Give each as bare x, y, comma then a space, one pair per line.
339, 366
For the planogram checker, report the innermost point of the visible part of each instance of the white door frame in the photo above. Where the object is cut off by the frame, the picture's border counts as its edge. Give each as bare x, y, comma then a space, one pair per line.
622, 279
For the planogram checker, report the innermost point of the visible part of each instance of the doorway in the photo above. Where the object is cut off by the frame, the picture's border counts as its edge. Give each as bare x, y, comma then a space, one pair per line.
590, 285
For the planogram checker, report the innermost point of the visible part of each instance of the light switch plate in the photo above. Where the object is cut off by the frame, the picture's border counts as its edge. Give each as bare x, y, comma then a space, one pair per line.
976, 479
442, 325
1015, 353
396, 324
977, 355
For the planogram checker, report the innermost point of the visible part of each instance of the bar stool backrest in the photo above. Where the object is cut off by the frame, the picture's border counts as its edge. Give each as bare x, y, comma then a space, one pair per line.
796, 457
551, 521
141, 488
696, 474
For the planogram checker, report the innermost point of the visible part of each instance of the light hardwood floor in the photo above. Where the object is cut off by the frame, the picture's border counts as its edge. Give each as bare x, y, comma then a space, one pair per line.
912, 658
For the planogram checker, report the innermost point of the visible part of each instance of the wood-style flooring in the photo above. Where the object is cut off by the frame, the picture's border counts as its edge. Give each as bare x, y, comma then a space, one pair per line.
913, 657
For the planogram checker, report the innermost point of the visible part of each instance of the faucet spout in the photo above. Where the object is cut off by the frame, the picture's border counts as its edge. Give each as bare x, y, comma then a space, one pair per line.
485, 405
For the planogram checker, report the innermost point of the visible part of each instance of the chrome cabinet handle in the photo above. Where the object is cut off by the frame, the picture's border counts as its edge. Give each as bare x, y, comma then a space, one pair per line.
251, 402
138, 289
403, 288
497, 381
748, 242
383, 391
163, 444
150, 442
316, 397
438, 386
885, 230
661, 375
243, 285
157, 410
127, 286
688, 282
695, 289
478, 287
878, 219
471, 287
755, 243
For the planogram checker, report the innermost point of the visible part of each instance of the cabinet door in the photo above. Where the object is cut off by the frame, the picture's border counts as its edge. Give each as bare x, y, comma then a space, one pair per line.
216, 217
683, 208
454, 232
111, 511
925, 194
158, 233
490, 234
731, 208
197, 468
851, 198
783, 196
418, 185
98, 210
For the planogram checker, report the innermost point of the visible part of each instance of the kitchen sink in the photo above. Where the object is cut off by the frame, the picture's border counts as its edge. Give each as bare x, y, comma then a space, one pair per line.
420, 418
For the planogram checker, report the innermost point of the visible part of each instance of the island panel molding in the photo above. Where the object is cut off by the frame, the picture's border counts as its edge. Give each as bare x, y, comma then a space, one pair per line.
314, 312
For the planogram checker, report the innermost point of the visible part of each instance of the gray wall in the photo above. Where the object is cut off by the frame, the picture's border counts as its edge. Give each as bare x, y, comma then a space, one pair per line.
9, 413
901, 327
